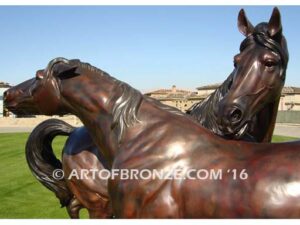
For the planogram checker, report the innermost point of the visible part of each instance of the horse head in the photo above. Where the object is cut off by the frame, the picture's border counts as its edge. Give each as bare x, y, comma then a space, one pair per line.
258, 76
40, 95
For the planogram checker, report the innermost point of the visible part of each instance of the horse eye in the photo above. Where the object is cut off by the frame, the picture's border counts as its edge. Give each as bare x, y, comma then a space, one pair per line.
270, 63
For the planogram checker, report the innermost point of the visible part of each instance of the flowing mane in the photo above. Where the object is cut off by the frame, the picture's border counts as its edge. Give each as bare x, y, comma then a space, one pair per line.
203, 111
126, 108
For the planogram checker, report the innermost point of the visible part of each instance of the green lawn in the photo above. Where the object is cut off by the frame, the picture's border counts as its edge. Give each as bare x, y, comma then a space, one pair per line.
283, 138
22, 196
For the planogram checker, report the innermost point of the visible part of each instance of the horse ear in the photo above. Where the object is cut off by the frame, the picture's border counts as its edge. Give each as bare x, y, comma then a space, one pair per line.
274, 26
65, 71
39, 74
244, 25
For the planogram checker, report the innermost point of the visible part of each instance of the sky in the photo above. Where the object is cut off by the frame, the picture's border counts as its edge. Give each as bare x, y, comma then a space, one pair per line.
148, 47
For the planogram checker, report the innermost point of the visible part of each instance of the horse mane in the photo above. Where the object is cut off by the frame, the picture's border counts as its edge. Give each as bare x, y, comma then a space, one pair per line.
126, 108
203, 111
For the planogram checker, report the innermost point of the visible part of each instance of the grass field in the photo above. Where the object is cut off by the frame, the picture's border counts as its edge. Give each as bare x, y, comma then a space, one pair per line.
22, 196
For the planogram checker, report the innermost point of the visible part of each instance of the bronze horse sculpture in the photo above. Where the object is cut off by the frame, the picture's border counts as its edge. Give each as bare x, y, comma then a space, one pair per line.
143, 134
259, 128
79, 147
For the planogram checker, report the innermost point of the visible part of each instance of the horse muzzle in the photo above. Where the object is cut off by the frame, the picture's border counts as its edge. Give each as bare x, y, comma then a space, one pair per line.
18, 102
230, 116
231, 121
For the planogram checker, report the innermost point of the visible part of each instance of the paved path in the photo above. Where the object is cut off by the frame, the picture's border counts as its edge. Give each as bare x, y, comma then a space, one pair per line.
289, 130
15, 129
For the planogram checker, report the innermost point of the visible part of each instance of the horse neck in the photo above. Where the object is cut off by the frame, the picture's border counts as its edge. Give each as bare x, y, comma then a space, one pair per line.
267, 135
91, 99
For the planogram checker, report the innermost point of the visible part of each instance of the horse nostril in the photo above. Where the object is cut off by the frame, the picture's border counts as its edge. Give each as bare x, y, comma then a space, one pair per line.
236, 115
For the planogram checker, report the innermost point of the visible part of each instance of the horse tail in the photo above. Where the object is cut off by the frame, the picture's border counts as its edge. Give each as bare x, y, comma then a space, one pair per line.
42, 160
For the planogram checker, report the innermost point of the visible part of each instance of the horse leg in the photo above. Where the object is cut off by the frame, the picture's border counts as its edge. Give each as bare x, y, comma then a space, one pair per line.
73, 208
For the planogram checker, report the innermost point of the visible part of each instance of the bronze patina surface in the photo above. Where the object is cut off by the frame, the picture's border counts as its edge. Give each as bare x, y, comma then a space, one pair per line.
144, 134
257, 126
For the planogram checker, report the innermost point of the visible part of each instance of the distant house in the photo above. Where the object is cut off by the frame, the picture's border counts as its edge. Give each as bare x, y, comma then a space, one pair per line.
3, 88
290, 99
181, 99
207, 89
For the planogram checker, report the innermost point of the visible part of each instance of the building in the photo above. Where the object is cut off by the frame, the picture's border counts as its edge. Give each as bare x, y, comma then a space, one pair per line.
184, 99
207, 89
181, 99
290, 99
3, 88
